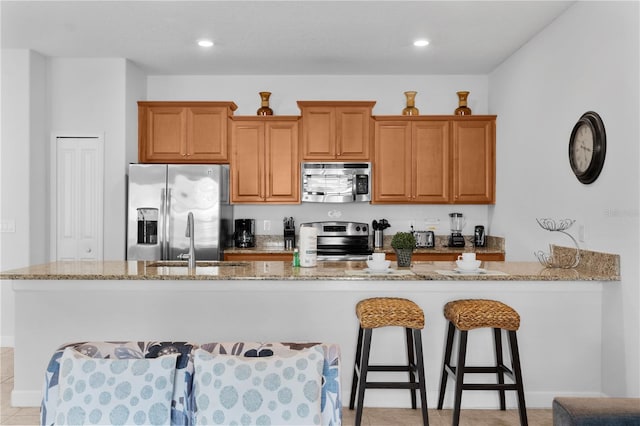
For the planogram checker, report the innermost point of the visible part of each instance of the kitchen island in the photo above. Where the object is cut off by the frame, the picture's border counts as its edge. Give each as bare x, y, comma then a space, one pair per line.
561, 311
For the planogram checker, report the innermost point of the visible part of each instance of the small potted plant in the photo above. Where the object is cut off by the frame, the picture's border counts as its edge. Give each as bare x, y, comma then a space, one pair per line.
403, 243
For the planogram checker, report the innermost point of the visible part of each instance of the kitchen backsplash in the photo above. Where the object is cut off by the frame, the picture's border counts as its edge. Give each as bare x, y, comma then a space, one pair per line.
401, 217
276, 242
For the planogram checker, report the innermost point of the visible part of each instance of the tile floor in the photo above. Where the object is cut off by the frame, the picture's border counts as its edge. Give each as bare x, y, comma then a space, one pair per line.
371, 417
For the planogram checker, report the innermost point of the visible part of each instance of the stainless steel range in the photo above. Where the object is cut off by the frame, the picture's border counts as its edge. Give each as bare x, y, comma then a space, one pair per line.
342, 240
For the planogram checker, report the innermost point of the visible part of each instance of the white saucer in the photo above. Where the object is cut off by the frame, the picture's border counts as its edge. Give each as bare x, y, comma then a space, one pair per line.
377, 271
471, 271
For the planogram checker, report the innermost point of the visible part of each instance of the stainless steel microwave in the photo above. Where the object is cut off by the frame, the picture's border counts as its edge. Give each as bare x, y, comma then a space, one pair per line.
336, 182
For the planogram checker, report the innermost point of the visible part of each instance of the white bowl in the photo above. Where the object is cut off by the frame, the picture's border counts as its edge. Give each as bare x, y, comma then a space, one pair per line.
468, 266
378, 266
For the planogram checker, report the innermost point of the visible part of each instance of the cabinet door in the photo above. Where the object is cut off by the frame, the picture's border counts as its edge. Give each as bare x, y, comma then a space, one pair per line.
247, 162
392, 162
282, 167
473, 161
353, 130
430, 153
207, 134
318, 134
163, 138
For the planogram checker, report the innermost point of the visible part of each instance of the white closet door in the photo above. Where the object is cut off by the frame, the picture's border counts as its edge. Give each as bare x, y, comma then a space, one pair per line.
79, 198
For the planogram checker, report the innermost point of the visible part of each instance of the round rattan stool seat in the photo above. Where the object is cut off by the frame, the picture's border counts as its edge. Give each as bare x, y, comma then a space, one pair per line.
389, 311
477, 313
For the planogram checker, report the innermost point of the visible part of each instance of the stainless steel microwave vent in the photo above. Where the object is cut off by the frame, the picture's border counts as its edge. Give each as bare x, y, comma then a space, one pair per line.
336, 182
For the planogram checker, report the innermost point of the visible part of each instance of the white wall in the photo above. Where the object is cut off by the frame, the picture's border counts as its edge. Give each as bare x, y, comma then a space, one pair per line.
88, 96
23, 197
41, 97
436, 95
136, 90
585, 60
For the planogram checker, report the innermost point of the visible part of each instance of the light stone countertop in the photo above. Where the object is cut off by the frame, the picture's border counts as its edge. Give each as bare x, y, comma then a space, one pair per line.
283, 271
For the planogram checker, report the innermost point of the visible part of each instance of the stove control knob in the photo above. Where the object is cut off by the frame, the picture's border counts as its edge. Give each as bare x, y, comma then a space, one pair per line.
358, 228
364, 229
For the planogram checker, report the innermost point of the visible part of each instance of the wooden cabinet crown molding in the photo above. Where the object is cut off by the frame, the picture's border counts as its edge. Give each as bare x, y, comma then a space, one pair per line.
265, 118
228, 104
438, 117
367, 104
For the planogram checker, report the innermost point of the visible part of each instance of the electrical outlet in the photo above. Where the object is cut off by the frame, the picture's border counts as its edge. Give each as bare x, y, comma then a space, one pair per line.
266, 225
8, 225
581, 233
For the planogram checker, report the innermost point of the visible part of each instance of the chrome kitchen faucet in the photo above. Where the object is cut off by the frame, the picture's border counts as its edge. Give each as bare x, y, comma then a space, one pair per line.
191, 256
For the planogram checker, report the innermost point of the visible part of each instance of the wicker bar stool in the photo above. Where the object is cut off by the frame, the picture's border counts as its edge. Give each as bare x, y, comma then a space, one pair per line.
387, 312
465, 315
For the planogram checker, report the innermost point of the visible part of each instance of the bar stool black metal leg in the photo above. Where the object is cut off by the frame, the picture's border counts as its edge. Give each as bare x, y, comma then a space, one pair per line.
411, 365
356, 370
497, 338
460, 367
517, 373
446, 362
364, 366
417, 337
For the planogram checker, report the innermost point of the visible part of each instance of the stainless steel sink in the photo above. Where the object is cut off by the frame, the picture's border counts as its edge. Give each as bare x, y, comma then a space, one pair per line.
202, 263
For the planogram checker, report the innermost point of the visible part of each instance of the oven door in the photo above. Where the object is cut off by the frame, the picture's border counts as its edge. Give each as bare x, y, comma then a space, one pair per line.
343, 257
343, 248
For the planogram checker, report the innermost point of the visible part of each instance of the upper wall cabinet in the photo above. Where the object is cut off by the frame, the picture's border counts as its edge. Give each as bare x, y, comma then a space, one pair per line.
411, 161
434, 160
336, 130
474, 159
183, 132
264, 160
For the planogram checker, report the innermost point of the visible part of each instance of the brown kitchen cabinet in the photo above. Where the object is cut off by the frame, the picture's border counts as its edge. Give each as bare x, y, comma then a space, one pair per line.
449, 257
434, 160
183, 132
474, 159
264, 160
266, 257
411, 160
336, 130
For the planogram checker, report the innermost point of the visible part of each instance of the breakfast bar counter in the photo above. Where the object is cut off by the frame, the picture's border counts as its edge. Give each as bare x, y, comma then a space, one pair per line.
64, 302
283, 271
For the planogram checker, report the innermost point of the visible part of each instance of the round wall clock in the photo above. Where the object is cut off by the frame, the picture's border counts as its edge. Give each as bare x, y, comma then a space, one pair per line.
587, 147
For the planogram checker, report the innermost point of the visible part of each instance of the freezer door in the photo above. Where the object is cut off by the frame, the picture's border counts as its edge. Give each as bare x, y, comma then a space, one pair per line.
146, 211
194, 188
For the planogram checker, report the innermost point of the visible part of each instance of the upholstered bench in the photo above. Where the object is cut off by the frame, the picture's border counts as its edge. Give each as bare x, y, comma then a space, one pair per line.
569, 411
179, 382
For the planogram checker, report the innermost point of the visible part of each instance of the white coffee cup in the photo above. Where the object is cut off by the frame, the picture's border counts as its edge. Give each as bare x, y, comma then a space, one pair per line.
377, 257
467, 257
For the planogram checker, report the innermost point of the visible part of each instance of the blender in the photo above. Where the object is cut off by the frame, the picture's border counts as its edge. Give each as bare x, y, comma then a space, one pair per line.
456, 222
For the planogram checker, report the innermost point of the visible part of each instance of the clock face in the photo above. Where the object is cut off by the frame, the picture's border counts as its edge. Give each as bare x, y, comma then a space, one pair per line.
583, 148
587, 147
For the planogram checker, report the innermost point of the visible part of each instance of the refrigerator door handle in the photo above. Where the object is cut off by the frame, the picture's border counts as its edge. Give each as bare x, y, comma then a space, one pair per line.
163, 225
167, 224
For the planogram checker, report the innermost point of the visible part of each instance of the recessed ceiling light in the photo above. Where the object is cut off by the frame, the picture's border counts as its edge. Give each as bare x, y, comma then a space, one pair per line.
421, 43
205, 43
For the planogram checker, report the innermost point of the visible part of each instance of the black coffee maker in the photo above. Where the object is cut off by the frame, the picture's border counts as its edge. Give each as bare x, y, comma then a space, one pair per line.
245, 231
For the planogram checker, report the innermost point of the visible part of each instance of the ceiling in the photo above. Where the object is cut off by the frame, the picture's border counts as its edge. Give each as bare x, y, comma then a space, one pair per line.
281, 37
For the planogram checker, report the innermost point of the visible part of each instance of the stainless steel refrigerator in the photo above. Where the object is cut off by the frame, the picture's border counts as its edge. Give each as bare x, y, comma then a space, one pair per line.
160, 197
